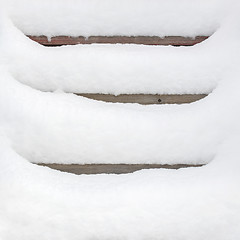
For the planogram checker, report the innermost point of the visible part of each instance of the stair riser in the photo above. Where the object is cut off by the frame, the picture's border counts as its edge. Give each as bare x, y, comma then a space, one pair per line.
112, 168
146, 40
145, 99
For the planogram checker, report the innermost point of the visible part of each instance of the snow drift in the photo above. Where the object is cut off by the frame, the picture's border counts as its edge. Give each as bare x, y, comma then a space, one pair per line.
196, 204
126, 17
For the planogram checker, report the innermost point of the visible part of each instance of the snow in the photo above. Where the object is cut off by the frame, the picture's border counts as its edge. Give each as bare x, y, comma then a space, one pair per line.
195, 203
152, 204
115, 69
63, 128
125, 17
70, 129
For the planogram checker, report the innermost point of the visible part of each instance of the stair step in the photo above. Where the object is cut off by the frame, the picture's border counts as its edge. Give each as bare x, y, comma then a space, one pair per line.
145, 98
146, 40
112, 168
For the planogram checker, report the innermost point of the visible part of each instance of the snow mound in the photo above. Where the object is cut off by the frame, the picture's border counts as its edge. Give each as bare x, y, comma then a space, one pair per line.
116, 69
125, 17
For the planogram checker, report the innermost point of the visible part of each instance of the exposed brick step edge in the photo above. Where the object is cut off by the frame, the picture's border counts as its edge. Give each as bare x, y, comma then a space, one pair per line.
145, 99
112, 168
146, 40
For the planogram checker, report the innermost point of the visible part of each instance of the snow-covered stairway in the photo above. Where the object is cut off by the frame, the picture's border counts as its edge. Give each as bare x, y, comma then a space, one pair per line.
62, 155
100, 68
124, 98
136, 40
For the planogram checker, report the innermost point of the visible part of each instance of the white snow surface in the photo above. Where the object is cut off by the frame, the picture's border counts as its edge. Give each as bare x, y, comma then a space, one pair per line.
116, 69
186, 204
125, 17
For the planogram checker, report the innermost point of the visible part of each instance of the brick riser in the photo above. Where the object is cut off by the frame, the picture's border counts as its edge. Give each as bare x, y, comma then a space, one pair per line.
145, 40
112, 168
145, 99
